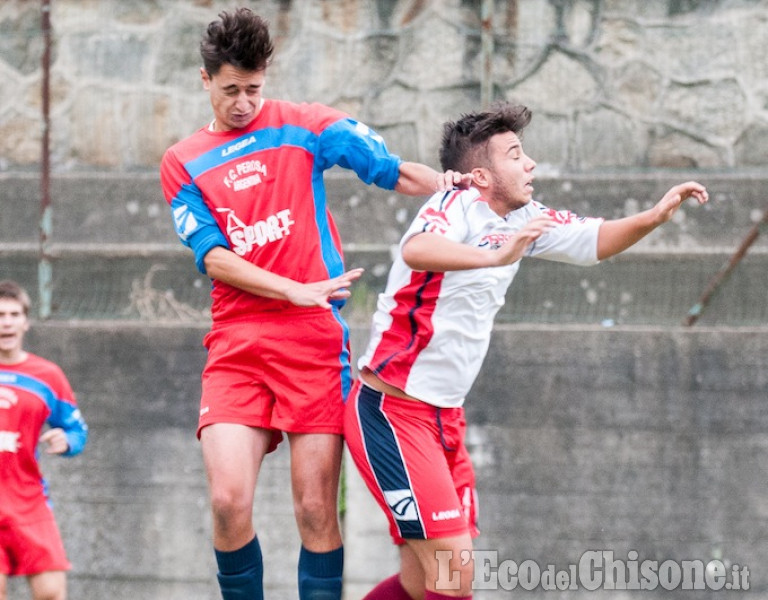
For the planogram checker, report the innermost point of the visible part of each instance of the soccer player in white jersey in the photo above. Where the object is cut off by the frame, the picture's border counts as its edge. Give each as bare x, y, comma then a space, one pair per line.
404, 421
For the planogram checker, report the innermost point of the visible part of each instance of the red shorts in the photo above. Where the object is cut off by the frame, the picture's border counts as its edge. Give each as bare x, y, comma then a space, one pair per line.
412, 457
31, 549
287, 371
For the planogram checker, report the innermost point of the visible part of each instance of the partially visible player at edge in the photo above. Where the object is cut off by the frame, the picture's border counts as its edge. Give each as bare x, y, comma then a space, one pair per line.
404, 422
37, 405
247, 196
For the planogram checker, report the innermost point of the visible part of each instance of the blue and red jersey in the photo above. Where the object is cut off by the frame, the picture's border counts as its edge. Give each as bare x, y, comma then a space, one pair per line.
33, 393
259, 192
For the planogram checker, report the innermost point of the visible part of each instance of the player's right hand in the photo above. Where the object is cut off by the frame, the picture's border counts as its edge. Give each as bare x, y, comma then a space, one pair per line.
514, 248
449, 180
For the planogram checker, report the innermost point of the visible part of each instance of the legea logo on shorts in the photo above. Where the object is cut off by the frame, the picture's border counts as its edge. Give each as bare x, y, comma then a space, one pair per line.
402, 504
446, 515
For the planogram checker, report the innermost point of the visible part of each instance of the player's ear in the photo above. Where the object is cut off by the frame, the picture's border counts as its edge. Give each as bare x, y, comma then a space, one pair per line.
481, 177
206, 78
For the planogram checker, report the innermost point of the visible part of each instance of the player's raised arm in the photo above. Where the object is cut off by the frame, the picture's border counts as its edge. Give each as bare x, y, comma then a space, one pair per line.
417, 179
434, 252
619, 234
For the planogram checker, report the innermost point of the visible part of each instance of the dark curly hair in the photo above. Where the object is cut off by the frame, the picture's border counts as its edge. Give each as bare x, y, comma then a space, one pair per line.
240, 39
465, 141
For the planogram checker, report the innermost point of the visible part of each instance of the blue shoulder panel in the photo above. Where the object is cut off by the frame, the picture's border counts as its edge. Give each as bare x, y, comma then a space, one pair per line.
353, 145
63, 414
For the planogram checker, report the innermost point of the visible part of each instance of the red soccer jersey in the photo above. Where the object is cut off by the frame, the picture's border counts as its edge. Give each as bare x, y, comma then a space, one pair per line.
32, 393
259, 191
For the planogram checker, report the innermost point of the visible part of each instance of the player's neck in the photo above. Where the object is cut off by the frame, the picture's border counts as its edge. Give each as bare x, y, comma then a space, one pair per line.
13, 357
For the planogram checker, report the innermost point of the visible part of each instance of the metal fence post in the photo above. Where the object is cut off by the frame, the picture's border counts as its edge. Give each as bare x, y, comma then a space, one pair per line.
44, 266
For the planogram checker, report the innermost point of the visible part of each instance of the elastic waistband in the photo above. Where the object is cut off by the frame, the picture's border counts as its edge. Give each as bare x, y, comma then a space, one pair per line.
407, 404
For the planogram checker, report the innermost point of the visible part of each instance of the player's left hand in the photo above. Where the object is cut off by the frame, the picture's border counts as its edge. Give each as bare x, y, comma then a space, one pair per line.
319, 293
56, 441
678, 194
452, 179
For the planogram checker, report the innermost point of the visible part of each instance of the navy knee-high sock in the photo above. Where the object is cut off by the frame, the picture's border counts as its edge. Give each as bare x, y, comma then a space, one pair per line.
320, 574
241, 572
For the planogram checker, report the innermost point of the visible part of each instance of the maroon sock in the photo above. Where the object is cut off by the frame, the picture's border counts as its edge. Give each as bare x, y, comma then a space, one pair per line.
389, 589
437, 596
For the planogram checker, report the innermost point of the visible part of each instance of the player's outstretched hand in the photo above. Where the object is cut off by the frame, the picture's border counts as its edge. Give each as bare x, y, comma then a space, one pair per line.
319, 293
56, 441
452, 179
678, 194
514, 248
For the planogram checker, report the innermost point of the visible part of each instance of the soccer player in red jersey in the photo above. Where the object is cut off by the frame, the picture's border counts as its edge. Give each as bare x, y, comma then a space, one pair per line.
247, 196
404, 421
34, 393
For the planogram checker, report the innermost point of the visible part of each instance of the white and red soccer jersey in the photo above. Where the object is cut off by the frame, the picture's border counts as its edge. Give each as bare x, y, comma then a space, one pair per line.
259, 191
431, 330
32, 393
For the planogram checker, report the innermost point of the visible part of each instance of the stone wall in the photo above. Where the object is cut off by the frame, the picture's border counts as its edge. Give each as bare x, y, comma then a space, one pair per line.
584, 438
614, 84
